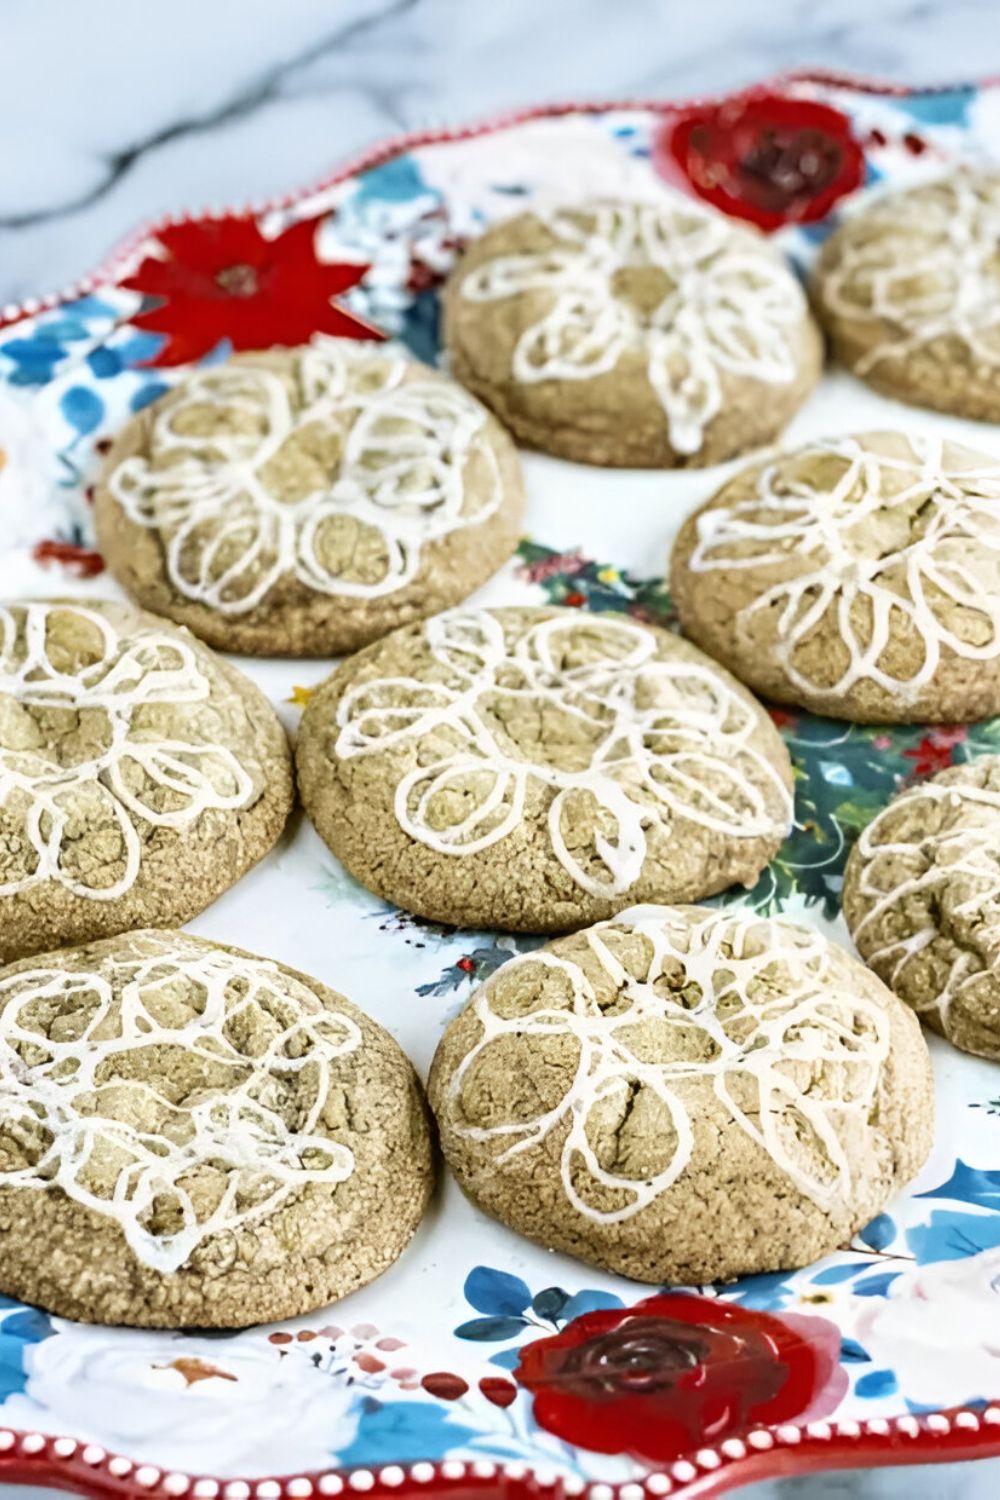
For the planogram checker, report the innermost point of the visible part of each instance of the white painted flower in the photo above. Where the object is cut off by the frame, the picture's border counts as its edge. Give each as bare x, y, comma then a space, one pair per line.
236, 1405
44, 797
939, 1330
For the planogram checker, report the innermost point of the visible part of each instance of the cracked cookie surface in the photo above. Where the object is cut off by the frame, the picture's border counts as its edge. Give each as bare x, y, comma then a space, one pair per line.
140, 775
909, 291
535, 769
856, 576
922, 900
684, 1095
304, 502
655, 334
194, 1136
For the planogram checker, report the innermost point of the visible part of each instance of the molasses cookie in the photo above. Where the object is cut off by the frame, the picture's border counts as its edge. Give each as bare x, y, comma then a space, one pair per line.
535, 769
140, 775
922, 900
304, 502
193, 1136
909, 291
854, 576
684, 1095
634, 334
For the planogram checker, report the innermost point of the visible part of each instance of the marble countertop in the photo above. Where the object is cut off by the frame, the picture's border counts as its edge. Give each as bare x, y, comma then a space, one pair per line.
114, 113
108, 120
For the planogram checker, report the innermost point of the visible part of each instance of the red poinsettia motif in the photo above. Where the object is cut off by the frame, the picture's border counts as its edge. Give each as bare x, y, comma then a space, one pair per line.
675, 1372
223, 279
936, 751
762, 156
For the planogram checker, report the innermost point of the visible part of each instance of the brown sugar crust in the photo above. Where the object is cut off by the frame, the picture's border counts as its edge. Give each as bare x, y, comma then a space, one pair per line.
605, 333
683, 1095
142, 775
922, 900
856, 576
908, 289
374, 499
271, 1140
535, 769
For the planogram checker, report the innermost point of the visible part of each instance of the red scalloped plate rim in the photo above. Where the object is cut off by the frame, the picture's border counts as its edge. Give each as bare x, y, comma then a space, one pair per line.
115, 264
936, 1437
951, 1435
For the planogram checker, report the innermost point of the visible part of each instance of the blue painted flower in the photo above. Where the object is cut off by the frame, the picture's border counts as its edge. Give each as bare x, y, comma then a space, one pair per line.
35, 358
403, 1432
20, 1327
875, 1383
969, 1185
952, 1235
941, 107
82, 408
766, 1292
879, 1233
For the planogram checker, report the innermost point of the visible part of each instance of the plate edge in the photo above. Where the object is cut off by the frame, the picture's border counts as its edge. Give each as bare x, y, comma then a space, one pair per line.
119, 258
957, 1434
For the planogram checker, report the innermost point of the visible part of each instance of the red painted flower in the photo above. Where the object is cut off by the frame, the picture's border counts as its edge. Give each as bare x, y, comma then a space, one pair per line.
763, 157
222, 279
936, 751
675, 1372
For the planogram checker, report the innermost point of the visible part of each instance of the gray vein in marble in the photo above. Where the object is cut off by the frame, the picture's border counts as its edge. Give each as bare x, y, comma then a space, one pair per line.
108, 121
250, 96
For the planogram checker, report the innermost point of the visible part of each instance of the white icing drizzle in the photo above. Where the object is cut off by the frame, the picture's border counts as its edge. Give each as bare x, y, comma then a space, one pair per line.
962, 852
769, 1009
926, 266
659, 731
147, 668
401, 475
235, 1133
729, 305
952, 563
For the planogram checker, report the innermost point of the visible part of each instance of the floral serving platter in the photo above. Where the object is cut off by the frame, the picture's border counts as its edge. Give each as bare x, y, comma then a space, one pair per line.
480, 1363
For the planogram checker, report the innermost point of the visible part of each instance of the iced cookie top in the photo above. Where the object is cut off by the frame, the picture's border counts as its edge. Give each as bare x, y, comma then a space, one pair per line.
646, 1052
918, 269
177, 1088
325, 470
856, 575
922, 899
664, 288
535, 743
113, 728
